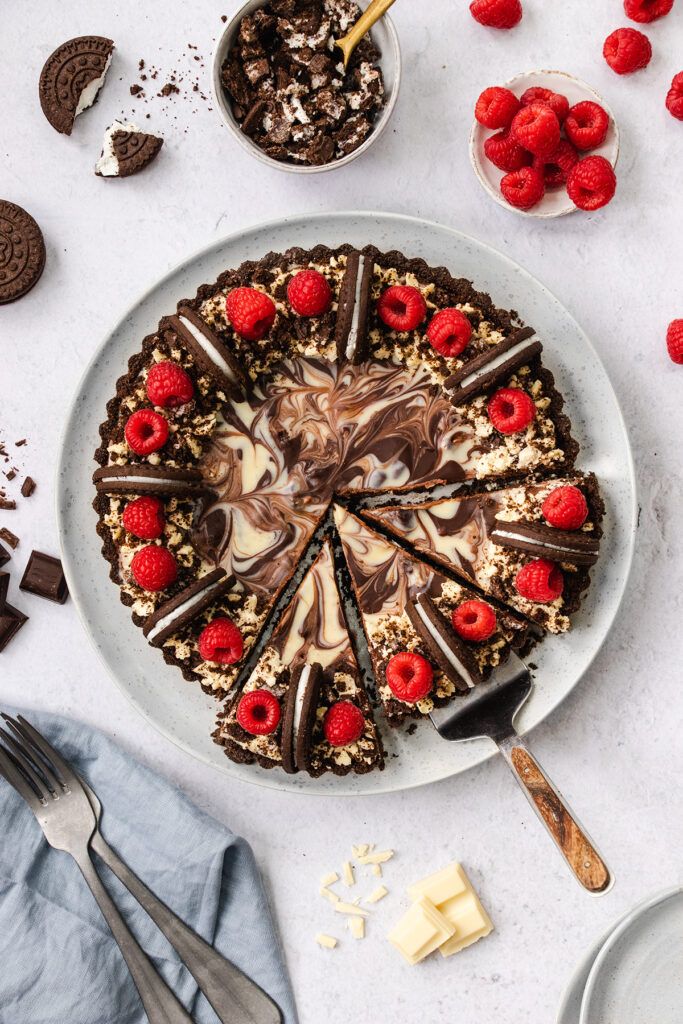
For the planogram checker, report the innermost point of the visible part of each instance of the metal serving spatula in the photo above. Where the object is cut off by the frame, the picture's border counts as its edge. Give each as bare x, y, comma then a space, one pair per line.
489, 710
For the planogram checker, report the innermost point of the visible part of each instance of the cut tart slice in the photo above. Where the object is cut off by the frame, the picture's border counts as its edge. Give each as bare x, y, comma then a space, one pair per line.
530, 546
304, 707
406, 607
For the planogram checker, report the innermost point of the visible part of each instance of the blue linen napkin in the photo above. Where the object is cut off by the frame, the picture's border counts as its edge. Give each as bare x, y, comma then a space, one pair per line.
59, 963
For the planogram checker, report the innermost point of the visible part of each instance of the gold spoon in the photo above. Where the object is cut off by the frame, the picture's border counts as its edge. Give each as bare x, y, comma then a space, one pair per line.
348, 43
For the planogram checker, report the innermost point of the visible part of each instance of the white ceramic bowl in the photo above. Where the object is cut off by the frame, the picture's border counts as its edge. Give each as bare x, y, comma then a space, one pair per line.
384, 36
556, 202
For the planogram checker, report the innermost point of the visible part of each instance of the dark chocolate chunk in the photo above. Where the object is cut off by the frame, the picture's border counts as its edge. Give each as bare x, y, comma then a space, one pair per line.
44, 577
22, 252
4, 555
67, 72
7, 504
11, 621
173, 615
449, 651
296, 748
351, 332
570, 546
9, 537
28, 487
490, 368
142, 479
209, 352
4, 584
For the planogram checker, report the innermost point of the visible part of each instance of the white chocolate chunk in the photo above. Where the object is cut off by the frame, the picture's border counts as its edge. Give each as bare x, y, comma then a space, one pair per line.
326, 941
379, 893
328, 894
452, 893
361, 850
349, 908
377, 870
357, 927
420, 931
376, 858
330, 879
347, 874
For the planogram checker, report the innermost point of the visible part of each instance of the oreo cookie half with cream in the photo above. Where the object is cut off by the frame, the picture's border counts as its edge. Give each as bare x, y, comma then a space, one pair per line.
72, 78
546, 541
448, 650
493, 366
144, 479
301, 705
351, 332
176, 613
209, 352
126, 150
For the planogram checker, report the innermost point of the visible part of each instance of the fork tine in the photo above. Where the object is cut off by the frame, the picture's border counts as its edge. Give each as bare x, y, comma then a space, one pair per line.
25, 755
27, 733
11, 774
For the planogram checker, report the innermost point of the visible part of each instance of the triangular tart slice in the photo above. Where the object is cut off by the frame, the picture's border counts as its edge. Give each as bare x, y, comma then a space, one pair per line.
304, 708
406, 608
489, 538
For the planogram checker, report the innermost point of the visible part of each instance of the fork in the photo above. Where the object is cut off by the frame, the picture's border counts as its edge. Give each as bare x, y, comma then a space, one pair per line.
67, 819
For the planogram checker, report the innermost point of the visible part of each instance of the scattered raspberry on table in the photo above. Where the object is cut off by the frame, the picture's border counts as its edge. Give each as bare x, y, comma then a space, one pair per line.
627, 50
674, 340
647, 10
674, 97
497, 13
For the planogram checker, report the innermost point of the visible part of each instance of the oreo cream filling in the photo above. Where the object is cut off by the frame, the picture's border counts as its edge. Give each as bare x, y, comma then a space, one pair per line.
352, 339
299, 708
208, 349
497, 361
89, 94
443, 646
166, 620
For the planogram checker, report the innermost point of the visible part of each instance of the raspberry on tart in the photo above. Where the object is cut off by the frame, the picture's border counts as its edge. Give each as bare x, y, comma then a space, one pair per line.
449, 332
168, 385
144, 517
343, 724
154, 568
402, 307
309, 293
410, 676
556, 167
524, 188
474, 620
251, 312
540, 581
536, 128
674, 341
586, 125
558, 103
505, 153
497, 13
258, 712
511, 410
674, 97
591, 183
565, 508
627, 50
496, 107
221, 642
146, 431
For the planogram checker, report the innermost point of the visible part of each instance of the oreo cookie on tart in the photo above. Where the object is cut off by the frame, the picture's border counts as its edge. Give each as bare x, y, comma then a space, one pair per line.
71, 79
22, 252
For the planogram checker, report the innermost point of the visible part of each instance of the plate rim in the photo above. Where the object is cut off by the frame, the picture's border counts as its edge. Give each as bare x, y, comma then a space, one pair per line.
265, 780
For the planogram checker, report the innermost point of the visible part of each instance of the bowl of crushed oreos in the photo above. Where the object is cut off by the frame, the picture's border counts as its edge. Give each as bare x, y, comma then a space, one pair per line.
281, 86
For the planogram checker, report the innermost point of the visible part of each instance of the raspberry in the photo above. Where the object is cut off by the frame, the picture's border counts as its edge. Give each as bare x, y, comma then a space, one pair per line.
523, 188
674, 97
154, 568
259, 712
674, 340
168, 386
586, 125
344, 723
146, 431
565, 508
558, 103
409, 676
505, 153
309, 293
221, 641
250, 312
511, 410
497, 13
496, 107
591, 183
541, 581
449, 332
536, 128
474, 620
402, 307
647, 10
144, 517
557, 166
627, 50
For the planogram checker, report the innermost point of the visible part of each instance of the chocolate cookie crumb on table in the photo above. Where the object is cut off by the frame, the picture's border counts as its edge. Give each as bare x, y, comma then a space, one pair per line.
289, 91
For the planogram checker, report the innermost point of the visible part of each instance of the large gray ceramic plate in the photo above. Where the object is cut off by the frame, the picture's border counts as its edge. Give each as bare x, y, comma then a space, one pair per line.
180, 710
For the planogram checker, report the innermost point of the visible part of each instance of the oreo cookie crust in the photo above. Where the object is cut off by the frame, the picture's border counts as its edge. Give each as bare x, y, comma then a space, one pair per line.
22, 252
72, 77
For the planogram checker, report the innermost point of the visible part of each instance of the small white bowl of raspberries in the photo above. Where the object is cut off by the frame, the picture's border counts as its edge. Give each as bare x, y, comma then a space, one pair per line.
545, 144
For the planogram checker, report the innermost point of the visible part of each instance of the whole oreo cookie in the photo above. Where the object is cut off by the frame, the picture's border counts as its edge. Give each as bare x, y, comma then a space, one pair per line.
22, 252
71, 79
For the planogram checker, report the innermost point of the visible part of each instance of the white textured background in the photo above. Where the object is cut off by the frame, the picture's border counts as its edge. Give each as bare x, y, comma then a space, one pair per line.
615, 745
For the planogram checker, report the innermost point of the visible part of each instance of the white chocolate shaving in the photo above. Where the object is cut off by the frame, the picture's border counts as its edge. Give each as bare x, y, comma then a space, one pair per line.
326, 941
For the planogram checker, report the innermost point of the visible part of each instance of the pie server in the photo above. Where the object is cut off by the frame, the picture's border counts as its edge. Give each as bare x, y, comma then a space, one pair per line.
489, 710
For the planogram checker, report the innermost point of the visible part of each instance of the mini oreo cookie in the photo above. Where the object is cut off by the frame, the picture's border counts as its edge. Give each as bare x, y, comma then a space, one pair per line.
448, 650
571, 546
299, 716
493, 366
149, 480
71, 79
126, 150
22, 252
351, 332
174, 614
209, 352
